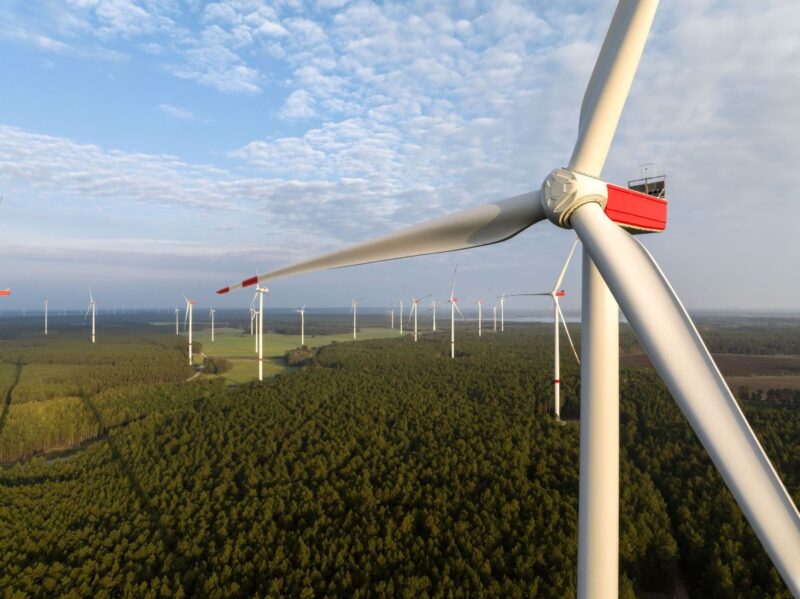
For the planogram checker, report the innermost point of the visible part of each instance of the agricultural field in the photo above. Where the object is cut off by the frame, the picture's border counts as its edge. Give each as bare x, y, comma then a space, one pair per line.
240, 348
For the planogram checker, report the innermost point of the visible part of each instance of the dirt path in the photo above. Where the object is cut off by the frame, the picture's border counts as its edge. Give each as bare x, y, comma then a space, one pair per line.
7, 398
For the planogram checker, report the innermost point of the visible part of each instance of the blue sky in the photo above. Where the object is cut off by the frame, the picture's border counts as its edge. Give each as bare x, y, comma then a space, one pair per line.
154, 146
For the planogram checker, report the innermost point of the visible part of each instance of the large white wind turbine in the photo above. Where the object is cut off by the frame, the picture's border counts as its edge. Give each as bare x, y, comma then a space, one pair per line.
188, 317
302, 312
414, 309
616, 268
45, 315
93, 309
555, 293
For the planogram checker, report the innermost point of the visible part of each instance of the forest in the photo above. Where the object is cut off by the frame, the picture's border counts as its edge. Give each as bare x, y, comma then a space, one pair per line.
379, 468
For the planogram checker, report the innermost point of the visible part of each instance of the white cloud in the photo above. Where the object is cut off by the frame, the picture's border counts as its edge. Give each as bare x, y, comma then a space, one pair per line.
299, 105
176, 112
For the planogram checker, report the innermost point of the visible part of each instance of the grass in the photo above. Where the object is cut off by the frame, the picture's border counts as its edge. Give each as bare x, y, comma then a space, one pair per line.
239, 349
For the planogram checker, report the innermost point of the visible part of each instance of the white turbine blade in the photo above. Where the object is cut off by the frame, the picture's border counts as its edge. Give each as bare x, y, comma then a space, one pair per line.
484, 225
564, 268
460, 312
186, 315
678, 354
453, 283
89, 309
610, 83
524, 294
566, 330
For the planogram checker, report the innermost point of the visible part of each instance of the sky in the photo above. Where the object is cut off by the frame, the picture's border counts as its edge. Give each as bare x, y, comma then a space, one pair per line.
153, 147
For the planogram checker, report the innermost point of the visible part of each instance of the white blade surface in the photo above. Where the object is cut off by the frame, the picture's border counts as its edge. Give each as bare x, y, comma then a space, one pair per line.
484, 225
560, 279
566, 330
610, 83
677, 352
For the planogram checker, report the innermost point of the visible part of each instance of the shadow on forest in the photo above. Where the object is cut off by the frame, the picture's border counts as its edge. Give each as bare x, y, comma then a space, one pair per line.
127, 471
7, 398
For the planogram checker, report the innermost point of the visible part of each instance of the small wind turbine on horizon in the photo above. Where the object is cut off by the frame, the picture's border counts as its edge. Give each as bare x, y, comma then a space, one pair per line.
480, 302
433, 313
211, 314
555, 293
302, 312
453, 301
177, 320
93, 309
188, 317
392, 321
503, 312
354, 309
260, 293
414, 309
45, 315
494, 318
252, 317
401, 317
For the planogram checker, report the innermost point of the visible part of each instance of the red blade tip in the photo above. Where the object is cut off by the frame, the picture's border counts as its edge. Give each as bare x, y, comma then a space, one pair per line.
250, 281
223, 290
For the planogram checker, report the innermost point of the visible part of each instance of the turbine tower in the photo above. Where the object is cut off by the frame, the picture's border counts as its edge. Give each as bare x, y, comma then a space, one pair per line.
302, 312
188, 316
252, 317
177, 326
260, 293
433, 313
618, 272
480, 314
93, 309
401, 317
453, 301
354, 309
503, 312
494, 318
392, 320
45, 315
555, 293
211, 314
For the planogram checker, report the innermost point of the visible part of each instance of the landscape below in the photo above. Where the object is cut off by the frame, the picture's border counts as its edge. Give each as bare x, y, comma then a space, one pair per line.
380, 467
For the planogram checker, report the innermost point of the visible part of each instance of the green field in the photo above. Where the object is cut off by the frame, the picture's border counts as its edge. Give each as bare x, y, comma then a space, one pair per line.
239, 348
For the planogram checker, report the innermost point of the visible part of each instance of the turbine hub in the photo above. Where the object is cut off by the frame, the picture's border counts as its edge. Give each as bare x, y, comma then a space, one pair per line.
565, 190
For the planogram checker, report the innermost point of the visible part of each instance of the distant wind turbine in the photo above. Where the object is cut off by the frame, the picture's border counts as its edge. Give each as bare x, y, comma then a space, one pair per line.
494, 318
453, 307
555, 293
354, 310
414, 309
401, 317
188, 317
260, 293
480, 302
177, 321
45, 315
93, 309
433, 313
211, 314
503, 312
392, 313
302, 312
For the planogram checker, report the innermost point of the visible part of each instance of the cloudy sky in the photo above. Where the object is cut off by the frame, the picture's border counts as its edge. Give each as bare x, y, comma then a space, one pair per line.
154, 146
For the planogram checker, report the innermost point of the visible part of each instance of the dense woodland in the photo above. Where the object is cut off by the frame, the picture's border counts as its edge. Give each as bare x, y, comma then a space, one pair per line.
381, 467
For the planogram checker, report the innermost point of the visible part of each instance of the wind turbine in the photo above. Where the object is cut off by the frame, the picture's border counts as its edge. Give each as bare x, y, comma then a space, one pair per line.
392, 313
211, 314
188, 316
555, 293
177, 326
480, 302
252, 317
453, 301
302, 312
433, 313
494, 318
354, 310
260, 293
401, 317
617, 269
503, 312
45, 315
93, 309
414, 309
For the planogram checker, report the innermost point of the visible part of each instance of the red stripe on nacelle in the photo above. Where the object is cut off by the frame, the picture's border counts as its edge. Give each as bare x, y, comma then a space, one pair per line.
636, 211
223, 290
250, 281
557, 381
561, 293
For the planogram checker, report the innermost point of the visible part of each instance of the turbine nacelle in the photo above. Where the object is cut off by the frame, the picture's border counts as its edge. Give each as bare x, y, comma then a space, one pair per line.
565, 190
